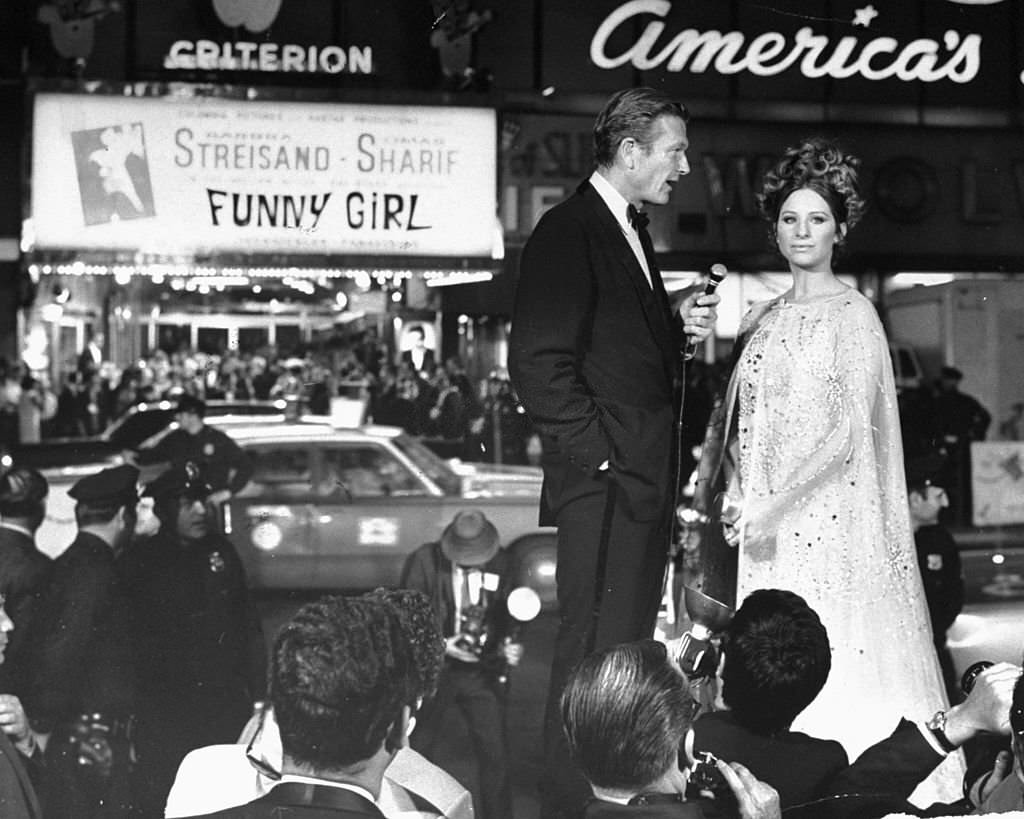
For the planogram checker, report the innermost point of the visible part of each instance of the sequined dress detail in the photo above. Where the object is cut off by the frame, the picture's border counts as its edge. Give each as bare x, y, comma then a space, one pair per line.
817, 441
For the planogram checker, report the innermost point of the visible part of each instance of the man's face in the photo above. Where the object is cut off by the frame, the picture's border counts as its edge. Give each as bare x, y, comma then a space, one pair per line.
658, 166
190, 422
925, 507
192, 520
6, 627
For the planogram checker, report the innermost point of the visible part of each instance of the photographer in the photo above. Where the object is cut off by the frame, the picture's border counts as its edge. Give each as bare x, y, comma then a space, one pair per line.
466, 575
625, 711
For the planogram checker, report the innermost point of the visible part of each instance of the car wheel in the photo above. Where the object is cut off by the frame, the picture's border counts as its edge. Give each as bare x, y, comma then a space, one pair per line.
535, 557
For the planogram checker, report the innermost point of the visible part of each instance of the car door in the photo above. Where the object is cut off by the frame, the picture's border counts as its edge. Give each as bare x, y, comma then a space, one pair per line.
374, 509
270, 520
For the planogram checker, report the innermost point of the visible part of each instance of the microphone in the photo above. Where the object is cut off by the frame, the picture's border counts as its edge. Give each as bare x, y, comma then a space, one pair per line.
715, 277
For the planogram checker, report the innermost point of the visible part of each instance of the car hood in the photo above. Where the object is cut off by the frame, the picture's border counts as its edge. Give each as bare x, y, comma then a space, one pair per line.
480, 480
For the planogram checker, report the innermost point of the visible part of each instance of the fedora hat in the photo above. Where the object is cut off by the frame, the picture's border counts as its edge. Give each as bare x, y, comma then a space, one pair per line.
470, 539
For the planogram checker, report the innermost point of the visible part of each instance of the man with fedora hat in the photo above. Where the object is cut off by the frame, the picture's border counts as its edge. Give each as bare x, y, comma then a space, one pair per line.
80, 670
195, 633
467, 576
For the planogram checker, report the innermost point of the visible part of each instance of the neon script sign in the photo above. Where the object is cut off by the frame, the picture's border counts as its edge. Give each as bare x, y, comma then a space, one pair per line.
957, 57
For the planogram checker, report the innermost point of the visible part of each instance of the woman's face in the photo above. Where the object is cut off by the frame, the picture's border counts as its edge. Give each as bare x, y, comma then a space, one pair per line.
807, 232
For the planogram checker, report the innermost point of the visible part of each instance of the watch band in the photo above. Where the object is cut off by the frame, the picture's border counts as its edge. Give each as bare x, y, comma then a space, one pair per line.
937, 725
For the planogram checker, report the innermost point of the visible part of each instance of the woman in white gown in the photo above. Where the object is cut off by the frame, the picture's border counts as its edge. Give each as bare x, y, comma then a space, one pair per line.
814, 465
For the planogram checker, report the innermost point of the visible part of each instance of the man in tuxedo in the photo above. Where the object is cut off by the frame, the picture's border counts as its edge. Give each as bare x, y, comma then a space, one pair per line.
419, 356
343, 683
90, 359
594, 356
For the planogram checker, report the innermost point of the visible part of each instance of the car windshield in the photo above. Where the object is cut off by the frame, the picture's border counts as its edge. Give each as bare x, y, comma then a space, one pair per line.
429, 464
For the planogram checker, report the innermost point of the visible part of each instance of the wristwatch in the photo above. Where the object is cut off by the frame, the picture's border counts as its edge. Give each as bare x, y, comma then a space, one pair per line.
937, 725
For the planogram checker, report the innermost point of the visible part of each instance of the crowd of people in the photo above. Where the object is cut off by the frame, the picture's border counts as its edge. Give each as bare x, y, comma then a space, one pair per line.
480, 421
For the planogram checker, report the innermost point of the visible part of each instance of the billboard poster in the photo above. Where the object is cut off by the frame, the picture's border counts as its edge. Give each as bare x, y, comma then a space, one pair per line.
197, 176
997, 482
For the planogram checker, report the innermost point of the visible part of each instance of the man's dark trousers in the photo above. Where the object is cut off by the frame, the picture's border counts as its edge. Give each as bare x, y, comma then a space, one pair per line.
604, 598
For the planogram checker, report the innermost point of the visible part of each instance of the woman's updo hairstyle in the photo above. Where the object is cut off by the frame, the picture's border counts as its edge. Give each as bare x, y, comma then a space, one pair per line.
820, 165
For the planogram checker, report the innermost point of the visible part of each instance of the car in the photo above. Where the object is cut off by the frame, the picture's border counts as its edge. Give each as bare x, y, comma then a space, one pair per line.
131, 430
340, 508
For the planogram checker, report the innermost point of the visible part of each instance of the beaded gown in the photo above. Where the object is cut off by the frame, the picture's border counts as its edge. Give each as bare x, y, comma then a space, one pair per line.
815, 434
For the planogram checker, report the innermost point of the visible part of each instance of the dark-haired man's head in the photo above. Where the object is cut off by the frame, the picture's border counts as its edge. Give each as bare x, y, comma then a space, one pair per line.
625, 712
23, 494
343, 673
777, 659
419, 621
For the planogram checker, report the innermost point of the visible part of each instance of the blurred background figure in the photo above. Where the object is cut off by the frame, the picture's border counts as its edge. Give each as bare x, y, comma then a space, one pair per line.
958, 419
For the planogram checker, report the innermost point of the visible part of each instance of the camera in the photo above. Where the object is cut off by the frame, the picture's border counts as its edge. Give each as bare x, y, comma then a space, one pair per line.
475, 618
473, 634
705, 779
971, 674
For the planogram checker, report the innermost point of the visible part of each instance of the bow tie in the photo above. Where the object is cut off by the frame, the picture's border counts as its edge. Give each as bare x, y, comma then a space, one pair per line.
638, 220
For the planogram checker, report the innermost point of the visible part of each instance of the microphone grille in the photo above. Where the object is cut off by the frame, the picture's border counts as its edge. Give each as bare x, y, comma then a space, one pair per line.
718, 272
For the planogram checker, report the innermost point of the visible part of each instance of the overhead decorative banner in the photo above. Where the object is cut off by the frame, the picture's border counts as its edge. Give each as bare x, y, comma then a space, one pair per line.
184, 175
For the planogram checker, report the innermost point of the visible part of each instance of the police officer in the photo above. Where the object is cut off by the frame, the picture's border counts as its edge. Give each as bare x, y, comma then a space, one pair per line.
467, 576
81, 691
225, 465
198, 643
938, 557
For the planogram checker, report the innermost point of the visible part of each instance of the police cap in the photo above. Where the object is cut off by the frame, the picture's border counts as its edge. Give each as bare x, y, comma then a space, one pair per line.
114, 486
182, 479
193, 404
923, 470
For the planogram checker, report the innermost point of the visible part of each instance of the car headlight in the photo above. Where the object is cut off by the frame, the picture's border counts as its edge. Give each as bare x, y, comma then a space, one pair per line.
266, 536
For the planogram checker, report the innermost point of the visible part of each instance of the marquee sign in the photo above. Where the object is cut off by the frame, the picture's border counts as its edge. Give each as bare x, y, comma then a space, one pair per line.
836, 51
192, 176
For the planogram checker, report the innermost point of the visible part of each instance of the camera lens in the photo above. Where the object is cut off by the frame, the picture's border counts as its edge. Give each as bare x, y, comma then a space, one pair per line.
971, 674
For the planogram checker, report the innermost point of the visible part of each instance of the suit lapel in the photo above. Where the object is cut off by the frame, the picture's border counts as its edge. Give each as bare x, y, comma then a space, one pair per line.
618, 248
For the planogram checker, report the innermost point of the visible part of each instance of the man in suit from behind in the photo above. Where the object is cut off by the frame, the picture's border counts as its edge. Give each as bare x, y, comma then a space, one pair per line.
24, 570
594, 356
343, 684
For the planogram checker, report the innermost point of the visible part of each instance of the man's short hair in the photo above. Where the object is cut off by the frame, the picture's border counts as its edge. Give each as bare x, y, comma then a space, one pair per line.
419, 622
341, 672
631, 114
777, 659
23, 492
625, 712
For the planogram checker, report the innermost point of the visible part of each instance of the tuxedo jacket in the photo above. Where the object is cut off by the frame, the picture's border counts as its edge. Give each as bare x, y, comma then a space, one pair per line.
593, 355
299, 800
